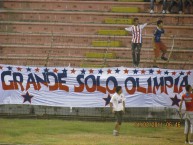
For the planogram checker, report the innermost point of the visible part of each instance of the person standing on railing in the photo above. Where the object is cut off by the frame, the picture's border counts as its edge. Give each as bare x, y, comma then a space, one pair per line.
117, 105
188, 99
136, 42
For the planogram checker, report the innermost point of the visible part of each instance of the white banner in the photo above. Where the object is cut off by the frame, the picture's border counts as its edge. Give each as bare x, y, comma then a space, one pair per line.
92, 87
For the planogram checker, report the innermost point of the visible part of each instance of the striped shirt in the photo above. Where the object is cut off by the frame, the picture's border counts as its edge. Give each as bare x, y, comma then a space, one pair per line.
136, 32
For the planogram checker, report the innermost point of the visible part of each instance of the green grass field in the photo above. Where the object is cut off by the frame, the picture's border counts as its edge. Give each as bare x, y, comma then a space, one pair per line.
60, 132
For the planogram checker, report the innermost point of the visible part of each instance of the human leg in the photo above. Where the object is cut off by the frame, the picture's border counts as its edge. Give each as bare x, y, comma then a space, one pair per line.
152, 6
164, 7
180, 6
118, 115
156, 53
191, 133
186, 130
1, 4
134, 57
189, 116
163, 48
171, 5
187, 6
138, 50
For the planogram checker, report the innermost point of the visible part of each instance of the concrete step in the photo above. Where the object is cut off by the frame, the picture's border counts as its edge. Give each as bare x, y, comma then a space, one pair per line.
87, 28
100, 55
83, 40
74, 5
91, 17
118, 21
78, 52
78, 5
97, 43
125, 9
93, 65
131, 0
113, 32
77, 62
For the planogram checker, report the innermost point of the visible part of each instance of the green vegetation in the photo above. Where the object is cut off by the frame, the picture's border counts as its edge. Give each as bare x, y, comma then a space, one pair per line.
60, 132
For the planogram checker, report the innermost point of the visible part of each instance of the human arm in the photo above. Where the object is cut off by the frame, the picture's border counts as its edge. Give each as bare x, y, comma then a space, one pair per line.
155, 32
163, 31
167, 35
145, 24
180, 107
123, 103
124, 106
111, 106
128, 29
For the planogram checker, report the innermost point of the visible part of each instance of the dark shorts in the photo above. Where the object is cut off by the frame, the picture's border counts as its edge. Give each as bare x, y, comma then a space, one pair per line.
119, 116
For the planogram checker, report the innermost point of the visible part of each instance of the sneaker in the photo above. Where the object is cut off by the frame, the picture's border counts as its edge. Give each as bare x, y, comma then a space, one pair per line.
190, 142
163, 12
180, 12
151, 12
167, 12
115, 133
164, 58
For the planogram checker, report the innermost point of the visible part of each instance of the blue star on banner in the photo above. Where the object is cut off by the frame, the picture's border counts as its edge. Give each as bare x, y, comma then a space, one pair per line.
135, 71
175, 101
107, 100
181, 73
46, 70
64, 71
28, 69
151, 71
83, 71
166, 72
27, 97
9, 68
117, 71
100, 71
